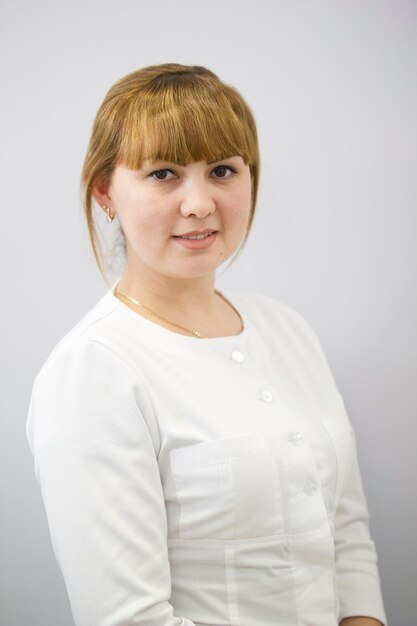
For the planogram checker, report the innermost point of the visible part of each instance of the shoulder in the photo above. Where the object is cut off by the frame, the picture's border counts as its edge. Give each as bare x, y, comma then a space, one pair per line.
86, 346
283, 329
86, 380
269, 312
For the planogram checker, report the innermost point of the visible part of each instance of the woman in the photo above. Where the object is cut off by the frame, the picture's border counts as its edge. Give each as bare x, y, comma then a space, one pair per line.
195, 457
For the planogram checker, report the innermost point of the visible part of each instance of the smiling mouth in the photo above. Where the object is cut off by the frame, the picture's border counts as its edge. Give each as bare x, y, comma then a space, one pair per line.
195, 236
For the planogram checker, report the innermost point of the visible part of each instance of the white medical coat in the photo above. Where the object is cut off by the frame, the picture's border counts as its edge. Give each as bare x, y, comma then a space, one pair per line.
198, 481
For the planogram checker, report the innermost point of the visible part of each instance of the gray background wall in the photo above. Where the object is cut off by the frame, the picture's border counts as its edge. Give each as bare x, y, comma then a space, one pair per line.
333, 88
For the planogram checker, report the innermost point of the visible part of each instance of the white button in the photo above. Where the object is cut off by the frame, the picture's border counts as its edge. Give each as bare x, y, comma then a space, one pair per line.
296, 438
237, 356
266, 395
310, 489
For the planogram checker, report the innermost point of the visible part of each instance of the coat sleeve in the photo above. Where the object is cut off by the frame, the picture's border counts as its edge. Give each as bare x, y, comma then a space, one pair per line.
96, 463
357, 576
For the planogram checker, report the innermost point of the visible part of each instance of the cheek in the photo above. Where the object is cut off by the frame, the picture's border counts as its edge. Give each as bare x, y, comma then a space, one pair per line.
239, 207
141, 214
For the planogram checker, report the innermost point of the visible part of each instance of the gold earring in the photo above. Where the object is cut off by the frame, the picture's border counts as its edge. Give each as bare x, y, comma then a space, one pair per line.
110, 216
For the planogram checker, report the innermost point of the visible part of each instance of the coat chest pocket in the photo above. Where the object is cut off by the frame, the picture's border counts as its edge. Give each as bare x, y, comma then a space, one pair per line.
227, 489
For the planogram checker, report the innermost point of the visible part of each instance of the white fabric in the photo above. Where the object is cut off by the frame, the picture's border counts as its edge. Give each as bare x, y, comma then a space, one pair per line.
201, 481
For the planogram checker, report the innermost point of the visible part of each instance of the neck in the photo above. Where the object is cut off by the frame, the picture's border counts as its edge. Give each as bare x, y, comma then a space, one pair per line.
187, 297
192, 303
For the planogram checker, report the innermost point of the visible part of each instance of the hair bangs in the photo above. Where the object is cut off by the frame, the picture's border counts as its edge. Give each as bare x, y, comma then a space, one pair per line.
182, 129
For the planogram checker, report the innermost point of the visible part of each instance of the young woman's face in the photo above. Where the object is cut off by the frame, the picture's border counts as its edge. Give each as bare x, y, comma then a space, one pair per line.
161, 201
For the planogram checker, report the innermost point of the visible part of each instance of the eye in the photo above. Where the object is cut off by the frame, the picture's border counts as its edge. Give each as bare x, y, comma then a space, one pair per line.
160, 174
221, 171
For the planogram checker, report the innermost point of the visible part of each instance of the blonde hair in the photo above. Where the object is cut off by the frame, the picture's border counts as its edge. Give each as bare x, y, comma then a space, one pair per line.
169, 112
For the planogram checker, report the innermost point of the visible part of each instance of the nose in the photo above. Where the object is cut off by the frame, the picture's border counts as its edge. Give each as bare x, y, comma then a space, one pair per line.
197, 199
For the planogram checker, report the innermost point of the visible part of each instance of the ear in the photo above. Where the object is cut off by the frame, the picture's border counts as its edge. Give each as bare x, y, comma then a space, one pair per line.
100, 192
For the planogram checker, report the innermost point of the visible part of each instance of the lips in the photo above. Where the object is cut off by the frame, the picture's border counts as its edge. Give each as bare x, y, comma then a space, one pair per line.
191, 233
196, 242
196, 233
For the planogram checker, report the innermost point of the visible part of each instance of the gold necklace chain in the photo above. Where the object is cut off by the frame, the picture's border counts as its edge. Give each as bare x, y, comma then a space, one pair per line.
193, 332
